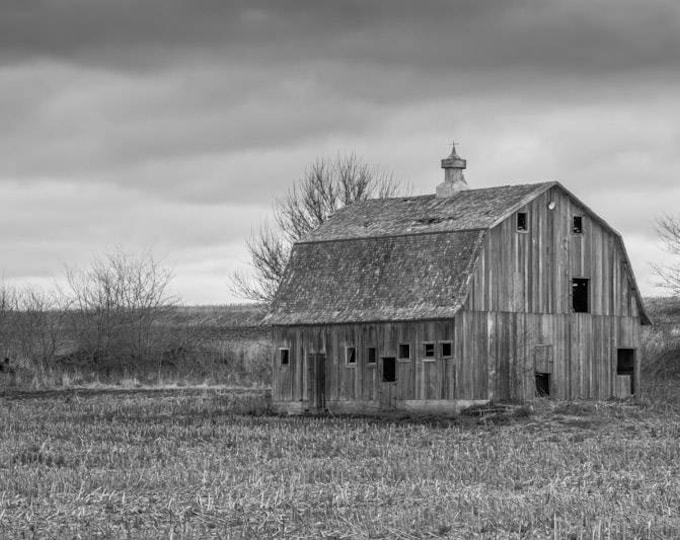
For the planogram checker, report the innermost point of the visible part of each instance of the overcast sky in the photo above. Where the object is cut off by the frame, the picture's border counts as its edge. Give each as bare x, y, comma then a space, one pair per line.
171, 125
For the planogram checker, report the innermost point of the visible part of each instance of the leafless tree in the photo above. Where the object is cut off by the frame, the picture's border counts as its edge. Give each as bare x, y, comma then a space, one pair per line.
37, 327
326, 186
114, 303
7, 311
668, 230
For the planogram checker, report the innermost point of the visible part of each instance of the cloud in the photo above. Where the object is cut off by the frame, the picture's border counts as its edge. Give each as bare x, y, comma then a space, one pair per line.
175, 123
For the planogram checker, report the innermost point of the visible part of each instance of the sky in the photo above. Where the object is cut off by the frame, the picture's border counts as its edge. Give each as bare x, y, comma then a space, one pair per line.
170, 125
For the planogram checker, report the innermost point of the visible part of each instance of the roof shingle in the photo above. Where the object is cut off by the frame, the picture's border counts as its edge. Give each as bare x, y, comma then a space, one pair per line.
376, 279
470, 209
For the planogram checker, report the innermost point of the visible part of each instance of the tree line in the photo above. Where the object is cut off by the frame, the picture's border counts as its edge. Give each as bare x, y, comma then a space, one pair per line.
105, 312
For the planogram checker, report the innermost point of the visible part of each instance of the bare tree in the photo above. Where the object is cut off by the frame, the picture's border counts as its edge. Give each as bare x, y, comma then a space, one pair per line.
7, 311
325, 187
668, 230
37, 328
114, 303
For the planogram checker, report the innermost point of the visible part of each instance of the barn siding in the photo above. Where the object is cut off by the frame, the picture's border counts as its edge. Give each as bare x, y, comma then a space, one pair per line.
494, 357
532, 271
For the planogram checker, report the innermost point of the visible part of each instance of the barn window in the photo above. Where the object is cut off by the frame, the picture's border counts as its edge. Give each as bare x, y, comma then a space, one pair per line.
372, 355
404, 351
577, 225
350, 356
429, 351
284, 355
579, 295
446, 349
389, 370
522, 222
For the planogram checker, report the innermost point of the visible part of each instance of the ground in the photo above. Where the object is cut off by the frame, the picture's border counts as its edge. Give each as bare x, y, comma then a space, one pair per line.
189, 463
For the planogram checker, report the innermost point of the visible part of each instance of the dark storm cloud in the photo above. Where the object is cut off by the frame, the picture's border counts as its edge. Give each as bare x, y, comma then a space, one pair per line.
578, 36
175, 122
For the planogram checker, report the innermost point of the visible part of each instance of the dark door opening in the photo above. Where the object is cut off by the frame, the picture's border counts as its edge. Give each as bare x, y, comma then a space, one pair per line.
542, 384
625, 365
389, 369
579, 295
317, 381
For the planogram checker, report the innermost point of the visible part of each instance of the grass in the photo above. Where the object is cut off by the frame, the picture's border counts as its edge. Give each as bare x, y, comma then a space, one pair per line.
189, 463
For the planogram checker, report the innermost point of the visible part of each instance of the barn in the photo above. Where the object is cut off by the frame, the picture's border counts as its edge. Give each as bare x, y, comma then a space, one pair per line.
438, 302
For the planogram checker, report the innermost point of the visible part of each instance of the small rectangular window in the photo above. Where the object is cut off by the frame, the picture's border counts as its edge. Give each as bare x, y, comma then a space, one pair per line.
350, 356
284, 355
579, 295
372, 355
577, 225
404, 351
522, 222
429, 350
445, 347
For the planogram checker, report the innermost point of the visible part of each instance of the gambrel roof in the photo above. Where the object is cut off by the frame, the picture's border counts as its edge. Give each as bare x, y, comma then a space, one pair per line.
397, 259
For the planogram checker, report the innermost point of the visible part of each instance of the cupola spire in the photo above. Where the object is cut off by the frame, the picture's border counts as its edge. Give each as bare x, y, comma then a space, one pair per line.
454, 181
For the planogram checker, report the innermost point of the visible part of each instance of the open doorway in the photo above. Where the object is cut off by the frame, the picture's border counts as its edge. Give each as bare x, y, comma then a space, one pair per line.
625, 365
389, 369
542, 384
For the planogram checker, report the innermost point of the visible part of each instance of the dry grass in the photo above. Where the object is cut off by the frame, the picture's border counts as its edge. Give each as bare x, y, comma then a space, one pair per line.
213, 463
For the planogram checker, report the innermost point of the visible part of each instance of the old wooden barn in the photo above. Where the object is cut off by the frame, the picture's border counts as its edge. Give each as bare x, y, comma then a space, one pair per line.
437, 302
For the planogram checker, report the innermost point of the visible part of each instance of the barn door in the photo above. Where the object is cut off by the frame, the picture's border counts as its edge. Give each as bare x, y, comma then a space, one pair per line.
625, 373
316, 366
388, 382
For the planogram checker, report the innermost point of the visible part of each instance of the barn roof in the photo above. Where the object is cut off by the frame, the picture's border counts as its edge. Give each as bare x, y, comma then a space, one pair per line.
376, 279
392, 259
470, 209
395, 259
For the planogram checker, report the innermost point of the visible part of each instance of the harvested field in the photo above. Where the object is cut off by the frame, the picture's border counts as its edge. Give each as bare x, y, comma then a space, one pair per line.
192, 463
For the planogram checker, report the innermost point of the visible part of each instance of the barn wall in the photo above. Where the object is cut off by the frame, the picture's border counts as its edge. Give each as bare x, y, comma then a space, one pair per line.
494, 356
532, 271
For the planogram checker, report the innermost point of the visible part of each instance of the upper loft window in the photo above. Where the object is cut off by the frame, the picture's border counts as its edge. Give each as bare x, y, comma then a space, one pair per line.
404, 351
284, 356
579, 295
351, 356
372, 355
577, 225
522, 222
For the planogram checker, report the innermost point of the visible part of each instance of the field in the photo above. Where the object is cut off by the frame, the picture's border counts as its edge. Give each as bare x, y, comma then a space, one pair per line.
202, 463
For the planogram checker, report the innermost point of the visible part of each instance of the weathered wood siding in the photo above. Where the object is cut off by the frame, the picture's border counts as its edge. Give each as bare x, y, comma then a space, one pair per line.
532, 271
494, 356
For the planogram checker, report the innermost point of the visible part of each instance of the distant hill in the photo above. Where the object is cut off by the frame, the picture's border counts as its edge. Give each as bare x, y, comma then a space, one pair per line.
228, 322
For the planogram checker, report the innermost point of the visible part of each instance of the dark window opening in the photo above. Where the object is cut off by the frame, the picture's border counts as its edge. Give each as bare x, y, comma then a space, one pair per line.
446, 348
429, 350
625, 365
542, 384
285, 356
372, 355
577, 225
404, 351
579, 295
522, 223
389, 370
351, 355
